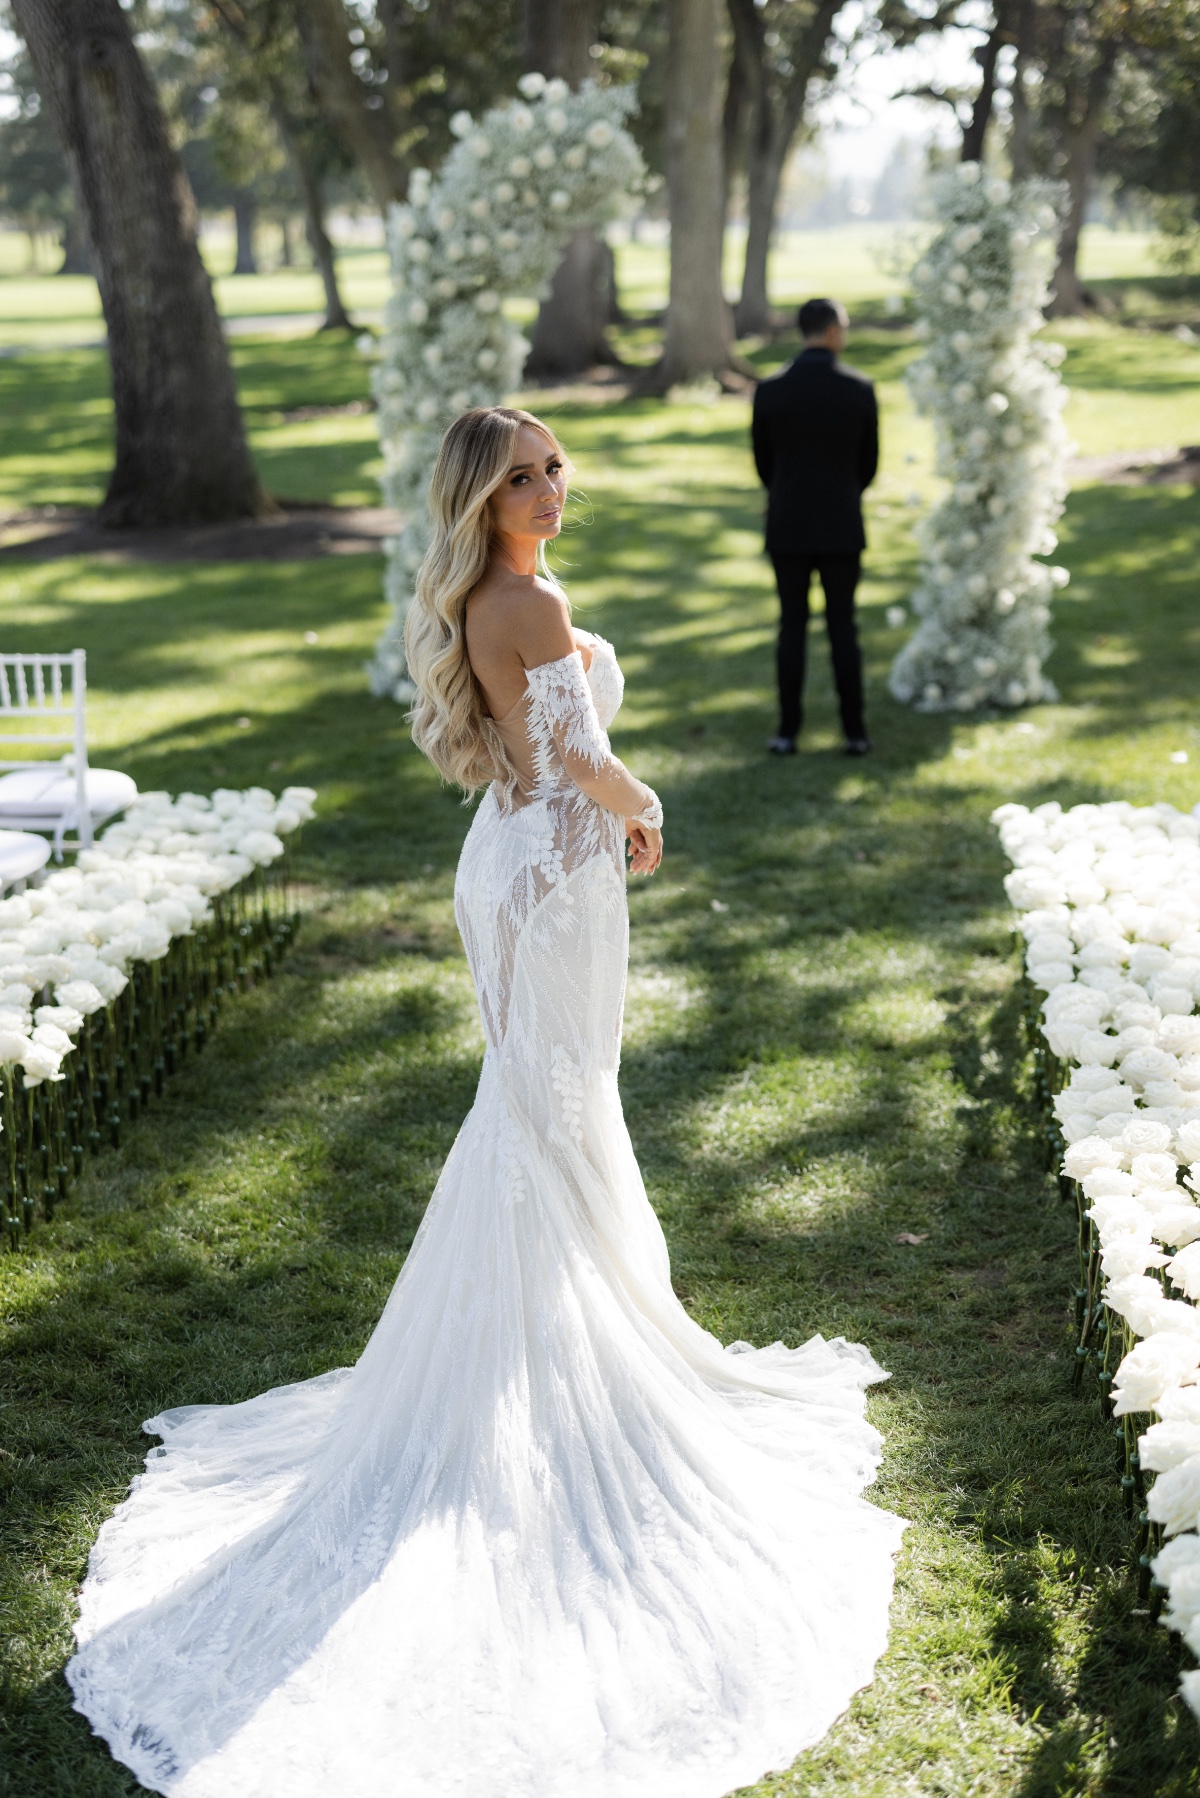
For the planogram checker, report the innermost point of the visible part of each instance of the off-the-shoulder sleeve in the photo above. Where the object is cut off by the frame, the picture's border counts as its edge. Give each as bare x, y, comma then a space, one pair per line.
563, 719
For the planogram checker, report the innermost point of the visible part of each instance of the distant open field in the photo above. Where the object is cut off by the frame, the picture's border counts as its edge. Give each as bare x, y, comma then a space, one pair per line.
858, 262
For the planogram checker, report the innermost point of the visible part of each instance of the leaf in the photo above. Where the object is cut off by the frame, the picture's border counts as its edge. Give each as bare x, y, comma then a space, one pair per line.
907, 1236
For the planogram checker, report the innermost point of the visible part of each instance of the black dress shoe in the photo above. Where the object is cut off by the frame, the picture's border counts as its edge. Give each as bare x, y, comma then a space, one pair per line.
859, 746
781, 745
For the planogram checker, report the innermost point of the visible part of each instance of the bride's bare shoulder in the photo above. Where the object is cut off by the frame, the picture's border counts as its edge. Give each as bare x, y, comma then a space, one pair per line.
524, 613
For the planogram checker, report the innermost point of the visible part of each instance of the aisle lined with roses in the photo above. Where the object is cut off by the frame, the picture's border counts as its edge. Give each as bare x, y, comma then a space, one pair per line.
827, 1059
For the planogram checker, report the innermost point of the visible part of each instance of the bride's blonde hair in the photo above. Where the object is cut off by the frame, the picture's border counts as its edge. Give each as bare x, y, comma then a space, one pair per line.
450, 722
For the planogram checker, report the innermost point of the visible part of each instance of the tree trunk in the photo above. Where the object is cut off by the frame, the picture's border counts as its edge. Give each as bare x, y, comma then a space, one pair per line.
362, 126
981, 112
752, 315
336, 317
559, 35
244, 214
699, 337
1020, 142
734, 123
1081, 141
308, 180
775, 118
181, 454
569, 333
77, 255
286, 259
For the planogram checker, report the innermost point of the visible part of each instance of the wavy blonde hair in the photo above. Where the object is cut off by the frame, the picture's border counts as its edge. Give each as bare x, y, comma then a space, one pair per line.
450, 722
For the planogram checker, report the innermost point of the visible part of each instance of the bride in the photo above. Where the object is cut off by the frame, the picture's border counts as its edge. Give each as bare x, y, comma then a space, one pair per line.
548, 1539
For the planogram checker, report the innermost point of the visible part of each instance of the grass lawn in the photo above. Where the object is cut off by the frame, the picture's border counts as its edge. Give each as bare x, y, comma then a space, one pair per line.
823, 1047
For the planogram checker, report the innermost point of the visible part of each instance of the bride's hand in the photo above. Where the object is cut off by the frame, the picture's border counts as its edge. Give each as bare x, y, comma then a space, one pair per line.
646, 845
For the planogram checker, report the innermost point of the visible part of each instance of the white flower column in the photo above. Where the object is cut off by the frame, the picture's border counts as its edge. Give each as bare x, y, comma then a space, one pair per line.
983, 599
493, 224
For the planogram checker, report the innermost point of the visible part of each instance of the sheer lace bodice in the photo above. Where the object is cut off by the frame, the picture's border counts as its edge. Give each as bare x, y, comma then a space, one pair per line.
564, 809
547, 1538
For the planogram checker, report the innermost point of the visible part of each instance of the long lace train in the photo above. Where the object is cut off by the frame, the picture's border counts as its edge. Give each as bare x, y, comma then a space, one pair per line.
548, 1539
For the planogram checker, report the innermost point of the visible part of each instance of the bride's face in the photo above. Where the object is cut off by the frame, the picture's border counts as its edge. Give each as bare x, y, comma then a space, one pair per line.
530, 499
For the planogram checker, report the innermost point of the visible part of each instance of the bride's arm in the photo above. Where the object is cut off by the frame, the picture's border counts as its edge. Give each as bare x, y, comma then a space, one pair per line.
570, 714
557, 677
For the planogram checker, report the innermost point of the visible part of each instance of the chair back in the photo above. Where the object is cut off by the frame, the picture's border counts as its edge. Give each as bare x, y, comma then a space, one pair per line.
43, 700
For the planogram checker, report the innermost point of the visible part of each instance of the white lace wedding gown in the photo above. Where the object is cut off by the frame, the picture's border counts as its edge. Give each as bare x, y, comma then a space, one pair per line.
548, 1539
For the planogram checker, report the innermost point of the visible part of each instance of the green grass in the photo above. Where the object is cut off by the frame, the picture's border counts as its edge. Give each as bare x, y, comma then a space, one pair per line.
823, 1048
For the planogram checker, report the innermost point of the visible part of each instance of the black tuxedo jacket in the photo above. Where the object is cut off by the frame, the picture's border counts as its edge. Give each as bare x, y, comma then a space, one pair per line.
816, 446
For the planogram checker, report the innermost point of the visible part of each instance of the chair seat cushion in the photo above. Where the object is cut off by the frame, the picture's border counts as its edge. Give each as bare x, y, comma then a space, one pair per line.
21, 854
48, 792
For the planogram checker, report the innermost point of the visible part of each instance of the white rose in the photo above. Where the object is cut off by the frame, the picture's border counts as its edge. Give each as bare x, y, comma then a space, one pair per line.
1128, 1255
432, 354
509, 240
1174, 1499
479, 208
1168, 1446
977, 300
418, 249
454, 251
520, 118
997, 403
559, 200
480, 147
1150, 1368
575, 157
1155, 1169
444, 219
81, 995
599, 135
40, 1061
445, 287
460, 400
532, 85
963, 393
1093, 1152
427, 410
504, 192
555, 90
544, 157
478, 245
520, 166
486, 360
418, 312
556, 119
13, 1044
462, 124
1178, 1225
1142, 1136
488, 300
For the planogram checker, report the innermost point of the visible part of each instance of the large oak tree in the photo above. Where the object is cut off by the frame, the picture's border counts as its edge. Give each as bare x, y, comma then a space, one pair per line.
181, 451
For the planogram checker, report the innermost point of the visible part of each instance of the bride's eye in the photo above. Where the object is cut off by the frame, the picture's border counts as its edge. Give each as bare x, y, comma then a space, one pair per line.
518, 479
554, 468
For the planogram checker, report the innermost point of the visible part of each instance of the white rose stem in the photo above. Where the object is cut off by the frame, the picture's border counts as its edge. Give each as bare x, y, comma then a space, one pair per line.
1108, 903
113, 969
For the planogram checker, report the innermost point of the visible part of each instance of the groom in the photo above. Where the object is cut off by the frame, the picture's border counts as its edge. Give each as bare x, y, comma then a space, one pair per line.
816, 446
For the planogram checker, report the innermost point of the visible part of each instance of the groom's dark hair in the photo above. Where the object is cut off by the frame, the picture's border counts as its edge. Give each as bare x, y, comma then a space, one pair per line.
816, 316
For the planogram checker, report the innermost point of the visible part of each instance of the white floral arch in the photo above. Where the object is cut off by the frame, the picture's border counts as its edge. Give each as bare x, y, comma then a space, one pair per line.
493, 224
983, 600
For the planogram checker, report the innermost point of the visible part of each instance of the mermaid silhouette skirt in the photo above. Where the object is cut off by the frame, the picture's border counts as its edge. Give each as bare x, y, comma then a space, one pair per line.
548, 1538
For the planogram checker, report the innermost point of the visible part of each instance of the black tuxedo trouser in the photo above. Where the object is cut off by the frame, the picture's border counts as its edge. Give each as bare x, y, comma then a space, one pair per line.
839, 577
